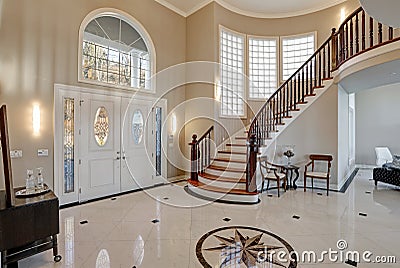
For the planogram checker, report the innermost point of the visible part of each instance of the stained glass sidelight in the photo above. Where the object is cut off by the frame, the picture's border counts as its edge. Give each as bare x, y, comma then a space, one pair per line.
137, 126
69, 145
101, 126
158, 140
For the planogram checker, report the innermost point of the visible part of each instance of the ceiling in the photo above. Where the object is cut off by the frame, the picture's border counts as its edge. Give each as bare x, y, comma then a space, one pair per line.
372, 77
254, 8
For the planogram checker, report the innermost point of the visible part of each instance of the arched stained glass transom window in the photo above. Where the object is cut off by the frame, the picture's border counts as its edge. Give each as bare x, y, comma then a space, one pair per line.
116, 51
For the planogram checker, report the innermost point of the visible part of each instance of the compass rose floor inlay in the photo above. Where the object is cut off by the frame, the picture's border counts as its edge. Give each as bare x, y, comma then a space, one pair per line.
241, 246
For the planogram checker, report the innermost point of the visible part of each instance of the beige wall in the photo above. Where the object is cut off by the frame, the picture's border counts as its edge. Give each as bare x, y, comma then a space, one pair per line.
315, 131
39, 47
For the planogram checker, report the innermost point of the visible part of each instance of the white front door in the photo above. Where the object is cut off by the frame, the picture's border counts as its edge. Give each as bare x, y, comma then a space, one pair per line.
99, 152
137, 144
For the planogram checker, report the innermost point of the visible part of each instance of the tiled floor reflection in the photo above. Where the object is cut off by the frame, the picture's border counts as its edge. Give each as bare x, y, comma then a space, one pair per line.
120, 233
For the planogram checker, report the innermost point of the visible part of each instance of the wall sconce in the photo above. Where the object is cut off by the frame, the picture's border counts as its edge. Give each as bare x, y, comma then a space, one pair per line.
36, 119
173, 124
217, 91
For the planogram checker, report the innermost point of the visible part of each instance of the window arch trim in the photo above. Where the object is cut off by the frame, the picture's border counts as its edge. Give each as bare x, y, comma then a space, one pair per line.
138, 27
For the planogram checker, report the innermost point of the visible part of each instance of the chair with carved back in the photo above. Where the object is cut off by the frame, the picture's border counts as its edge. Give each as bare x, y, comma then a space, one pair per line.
314, 174
270, 171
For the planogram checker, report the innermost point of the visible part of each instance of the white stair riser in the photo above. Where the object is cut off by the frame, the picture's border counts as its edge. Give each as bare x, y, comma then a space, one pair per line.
233, 156
224, 173
223, 184
230, 164
236, 149
251, 199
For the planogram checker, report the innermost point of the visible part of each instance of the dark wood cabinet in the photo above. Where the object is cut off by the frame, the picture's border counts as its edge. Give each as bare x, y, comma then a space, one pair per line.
29, 227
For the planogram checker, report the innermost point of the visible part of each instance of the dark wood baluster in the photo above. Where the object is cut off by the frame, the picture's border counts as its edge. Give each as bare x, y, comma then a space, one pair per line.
193, 158
287, 99
280, 106
324, 63
380, 33
329, 59
291, 103
340, 45
306, 80
299, 97
251, 185
319, 70
342, 57
371, 32
268, 107
209, 149
334, 49
357, 33
346, 44
390, 33
303, 92
351, 38
261, 127
311, 76
294, 94
363, 30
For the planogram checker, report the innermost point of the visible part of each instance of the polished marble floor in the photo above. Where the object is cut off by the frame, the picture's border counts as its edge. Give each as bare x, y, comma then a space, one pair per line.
161, 227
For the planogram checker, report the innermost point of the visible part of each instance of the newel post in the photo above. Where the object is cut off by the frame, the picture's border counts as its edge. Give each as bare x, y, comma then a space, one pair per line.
251, 182
194, 158
334, 49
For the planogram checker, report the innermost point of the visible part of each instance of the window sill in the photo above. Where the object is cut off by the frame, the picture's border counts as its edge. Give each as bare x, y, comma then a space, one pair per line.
117, 87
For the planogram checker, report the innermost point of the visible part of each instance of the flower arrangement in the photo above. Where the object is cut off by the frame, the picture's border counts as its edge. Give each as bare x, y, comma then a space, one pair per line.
289, 154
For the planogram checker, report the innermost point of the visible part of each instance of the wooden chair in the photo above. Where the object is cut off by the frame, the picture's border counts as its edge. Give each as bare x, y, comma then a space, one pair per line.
270, 171
318, 174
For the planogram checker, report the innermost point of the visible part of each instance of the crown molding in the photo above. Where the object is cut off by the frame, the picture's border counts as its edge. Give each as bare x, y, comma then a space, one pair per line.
172, 7
264, 15
247, 13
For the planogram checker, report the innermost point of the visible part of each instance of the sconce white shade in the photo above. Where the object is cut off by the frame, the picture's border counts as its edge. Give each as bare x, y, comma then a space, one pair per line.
342, 15
173, 124
36, 119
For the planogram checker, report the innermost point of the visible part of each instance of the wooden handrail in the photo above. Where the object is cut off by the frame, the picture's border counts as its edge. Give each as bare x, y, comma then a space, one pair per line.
205, 134
200, 154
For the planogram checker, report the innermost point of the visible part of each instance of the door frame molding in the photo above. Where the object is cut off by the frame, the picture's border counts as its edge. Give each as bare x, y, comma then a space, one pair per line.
61, 90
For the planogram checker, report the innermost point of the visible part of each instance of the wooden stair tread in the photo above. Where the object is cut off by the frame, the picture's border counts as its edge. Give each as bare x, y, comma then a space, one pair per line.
222, 178
227, 169
229, 160
328, 78
241, 138
230, 152
201, 185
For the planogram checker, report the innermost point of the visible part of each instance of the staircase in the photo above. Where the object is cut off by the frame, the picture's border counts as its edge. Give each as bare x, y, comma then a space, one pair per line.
231, 175
225, 177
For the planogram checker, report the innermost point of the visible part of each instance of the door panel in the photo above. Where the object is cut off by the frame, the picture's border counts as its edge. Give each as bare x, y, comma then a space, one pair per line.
99, 170
138, 158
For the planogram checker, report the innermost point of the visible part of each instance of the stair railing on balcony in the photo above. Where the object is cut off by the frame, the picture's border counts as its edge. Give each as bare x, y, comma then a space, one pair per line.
200, 153
357, 34
360, 33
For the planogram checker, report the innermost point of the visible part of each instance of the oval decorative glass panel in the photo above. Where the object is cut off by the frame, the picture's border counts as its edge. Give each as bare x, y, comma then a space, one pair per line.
101, 126
137, 126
